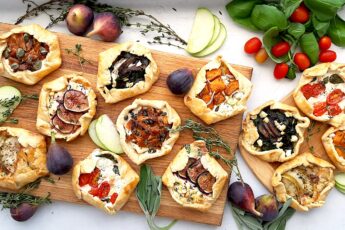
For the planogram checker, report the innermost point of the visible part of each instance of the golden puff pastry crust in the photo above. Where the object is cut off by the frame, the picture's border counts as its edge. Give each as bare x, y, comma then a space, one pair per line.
321, 76
53, 116
22, 157
147, 129
117, 58
218, 92
306, 179
334, 140
268, 136
191, 190
110, 174
51, 62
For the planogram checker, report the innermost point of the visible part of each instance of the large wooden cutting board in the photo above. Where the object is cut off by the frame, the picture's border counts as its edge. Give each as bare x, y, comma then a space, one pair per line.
82, 146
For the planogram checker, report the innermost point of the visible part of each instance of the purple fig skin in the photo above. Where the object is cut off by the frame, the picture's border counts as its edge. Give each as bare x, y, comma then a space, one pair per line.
107, 26
241, 195
23, 212
59, 160
268, 205
180, 81
79, 19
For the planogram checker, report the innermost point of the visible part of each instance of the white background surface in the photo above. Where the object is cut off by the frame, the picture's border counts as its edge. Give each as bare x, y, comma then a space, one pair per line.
67, 216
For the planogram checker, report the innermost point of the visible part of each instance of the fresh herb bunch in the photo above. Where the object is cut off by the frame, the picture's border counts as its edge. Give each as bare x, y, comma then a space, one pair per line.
164, 34
77, 52
247, 221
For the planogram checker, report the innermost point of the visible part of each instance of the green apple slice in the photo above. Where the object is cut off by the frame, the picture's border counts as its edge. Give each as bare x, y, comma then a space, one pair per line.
202, 31
340, 189
93, 135
13, 97
216, 30
215, 45
107, 134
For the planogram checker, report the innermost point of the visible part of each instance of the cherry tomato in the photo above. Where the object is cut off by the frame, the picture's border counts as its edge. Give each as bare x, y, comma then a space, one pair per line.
300, 15
327, 56
93, 191
280, 49
261, 56
335, 97
103, 190
302, 61
84, 179
320, 108
94, 177
325, 43
253, 45
313, 90
280, 70
334, 110
113, 197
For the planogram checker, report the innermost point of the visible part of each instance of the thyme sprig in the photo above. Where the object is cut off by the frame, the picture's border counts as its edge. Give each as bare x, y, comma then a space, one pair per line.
77, 52
310, 133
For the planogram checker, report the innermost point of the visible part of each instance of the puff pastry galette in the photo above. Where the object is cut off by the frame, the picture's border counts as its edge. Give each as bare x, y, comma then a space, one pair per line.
147, 129
104, 180
306, 179
29, 53
22, 157
124, 71
274, 131
321, 93
66, 107
194, 178
334, 142
218, 92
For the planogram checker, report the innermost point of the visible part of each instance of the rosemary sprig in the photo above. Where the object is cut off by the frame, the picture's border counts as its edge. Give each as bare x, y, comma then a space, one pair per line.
310, 133
77, 52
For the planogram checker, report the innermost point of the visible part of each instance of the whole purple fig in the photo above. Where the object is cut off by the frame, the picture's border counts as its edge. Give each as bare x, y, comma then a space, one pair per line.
23, 212
267, 204
79, 18
59, 160
106, 26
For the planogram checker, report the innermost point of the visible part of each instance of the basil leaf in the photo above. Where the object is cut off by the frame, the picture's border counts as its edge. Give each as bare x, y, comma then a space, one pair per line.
324, 10
271, 37
265, 17
289, 6
296, 30
335, 79
292, 72
310, 47
108, 156
240, 11
319, 26
336, 31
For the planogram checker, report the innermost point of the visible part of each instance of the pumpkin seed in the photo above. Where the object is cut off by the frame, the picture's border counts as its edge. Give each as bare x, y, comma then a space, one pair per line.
15, 66
26, 37
37, 65
43, 50
20, 53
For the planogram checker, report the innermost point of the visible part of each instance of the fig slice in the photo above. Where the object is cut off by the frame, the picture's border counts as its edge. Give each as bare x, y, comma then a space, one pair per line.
61, 126
75, 101
195, 170
68, 117
183, 172
205, 182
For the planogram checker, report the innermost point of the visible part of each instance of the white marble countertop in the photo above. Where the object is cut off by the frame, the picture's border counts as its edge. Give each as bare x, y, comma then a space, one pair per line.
67, 216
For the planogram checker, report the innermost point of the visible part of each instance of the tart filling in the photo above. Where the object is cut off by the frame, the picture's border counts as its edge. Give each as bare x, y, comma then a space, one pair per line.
334, 142
9, 150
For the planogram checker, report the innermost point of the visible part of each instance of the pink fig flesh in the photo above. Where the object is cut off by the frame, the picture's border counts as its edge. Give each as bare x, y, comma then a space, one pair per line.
106, 26
79, 19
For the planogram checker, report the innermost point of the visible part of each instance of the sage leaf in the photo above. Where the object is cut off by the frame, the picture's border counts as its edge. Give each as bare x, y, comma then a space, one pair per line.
310, 47
265, 17
296, 30
289, 6
336, 31
244, 220
271, 37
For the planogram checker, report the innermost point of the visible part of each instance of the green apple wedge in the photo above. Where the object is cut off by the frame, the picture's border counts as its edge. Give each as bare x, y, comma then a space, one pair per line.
340, 189
202, 31
6, 94
93, 135
215, 45
216, 30
108, 135
340, 180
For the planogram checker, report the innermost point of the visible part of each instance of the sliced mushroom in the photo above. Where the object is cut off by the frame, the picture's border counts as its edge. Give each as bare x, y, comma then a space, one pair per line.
263, 131
195, 170
61, 126
68, 117
273, 129
183, 172
75, 101
205, 182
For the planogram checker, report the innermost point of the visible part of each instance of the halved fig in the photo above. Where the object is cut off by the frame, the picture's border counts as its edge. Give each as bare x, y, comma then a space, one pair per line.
75, 101
183, 172
61, 126
205, 182
68, 117
195, 170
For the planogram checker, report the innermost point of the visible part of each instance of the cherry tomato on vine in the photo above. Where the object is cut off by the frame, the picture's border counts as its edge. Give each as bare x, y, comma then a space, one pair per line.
280, 49
334, 110
302, 61
261, 56
300, 15
253, 45
320, 108
335, 97
327, 56
325, 43
280, 70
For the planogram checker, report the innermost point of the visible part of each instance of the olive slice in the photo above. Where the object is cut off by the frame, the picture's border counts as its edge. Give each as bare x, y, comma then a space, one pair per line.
183, 173
61, 126
68, 117
75, 101
195, 170
205, 182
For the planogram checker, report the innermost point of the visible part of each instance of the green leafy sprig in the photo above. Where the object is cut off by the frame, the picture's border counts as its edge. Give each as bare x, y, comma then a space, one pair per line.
310, 133
77, 52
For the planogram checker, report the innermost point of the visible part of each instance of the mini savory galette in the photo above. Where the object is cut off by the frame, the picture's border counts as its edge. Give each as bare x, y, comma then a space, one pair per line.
334, 142
29, 53
124, 71
274, 132
104, 180
321, 93
306, 179
218, 92
22, 157
147, 129
194, 178
66, 107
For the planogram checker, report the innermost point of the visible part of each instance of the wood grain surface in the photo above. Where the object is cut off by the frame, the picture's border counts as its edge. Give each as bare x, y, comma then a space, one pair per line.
83, 146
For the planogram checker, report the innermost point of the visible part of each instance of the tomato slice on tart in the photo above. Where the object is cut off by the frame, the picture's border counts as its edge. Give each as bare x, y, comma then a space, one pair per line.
313, 90
113, 197
335, 97
93, 191
320, 108
334, 110
103, 190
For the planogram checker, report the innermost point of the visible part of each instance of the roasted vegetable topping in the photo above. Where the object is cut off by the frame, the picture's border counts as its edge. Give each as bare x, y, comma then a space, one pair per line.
9, 148
24, 52
127, 70
339, 142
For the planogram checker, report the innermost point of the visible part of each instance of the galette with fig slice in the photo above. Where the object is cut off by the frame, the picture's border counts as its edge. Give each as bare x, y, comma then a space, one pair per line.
104, 180
218, 92
29, 53
306, 179
194, 178
148, 129
22, 157
66, 107
124, 71
274, 132
334, 142
320, 93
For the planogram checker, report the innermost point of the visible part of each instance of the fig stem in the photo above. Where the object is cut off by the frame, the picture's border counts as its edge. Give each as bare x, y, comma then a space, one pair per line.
52, 139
